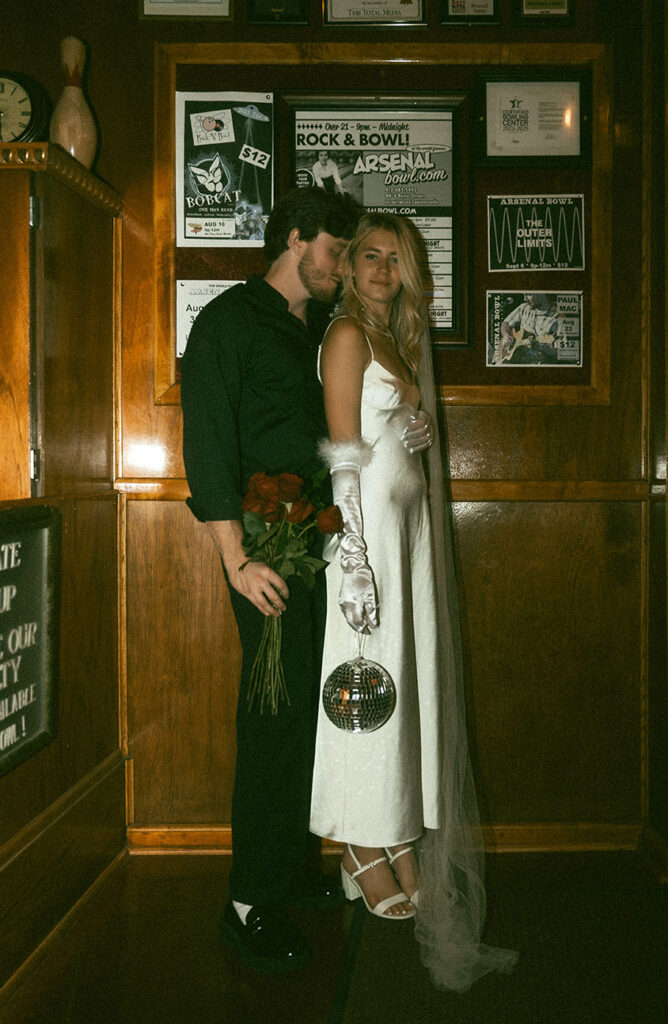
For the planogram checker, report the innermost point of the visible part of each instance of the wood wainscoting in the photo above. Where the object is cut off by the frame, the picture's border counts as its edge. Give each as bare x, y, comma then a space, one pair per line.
555, 638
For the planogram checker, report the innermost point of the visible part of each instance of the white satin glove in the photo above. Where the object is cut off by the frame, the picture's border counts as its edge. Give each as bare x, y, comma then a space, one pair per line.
357, 598
418, 435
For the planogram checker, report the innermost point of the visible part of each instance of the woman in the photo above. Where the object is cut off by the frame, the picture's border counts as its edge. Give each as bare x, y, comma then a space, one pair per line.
409, 782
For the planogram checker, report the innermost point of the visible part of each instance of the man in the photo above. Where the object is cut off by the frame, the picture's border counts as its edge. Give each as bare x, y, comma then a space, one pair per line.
326, 173
252, 402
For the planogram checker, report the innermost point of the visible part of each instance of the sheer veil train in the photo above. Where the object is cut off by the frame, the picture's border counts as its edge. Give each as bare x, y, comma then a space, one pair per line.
451, 914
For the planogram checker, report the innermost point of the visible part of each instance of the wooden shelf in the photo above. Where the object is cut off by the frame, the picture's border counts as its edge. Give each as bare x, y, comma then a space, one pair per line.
53, 160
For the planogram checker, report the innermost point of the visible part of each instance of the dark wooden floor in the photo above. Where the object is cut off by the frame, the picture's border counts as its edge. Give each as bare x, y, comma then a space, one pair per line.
592, 930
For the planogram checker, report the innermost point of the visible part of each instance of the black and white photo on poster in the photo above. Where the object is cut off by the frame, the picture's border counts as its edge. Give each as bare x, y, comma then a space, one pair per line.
527, 329
395, 161
224, 168
535, 232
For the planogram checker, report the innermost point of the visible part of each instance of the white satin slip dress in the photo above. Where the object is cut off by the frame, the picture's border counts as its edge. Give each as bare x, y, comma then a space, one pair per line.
381, 788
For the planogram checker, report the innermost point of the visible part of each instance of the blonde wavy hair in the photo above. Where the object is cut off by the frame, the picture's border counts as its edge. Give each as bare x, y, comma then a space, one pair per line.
407, 320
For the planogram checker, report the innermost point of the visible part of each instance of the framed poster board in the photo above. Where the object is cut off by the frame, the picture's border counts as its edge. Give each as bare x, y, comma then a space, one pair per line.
29, 588
455, 71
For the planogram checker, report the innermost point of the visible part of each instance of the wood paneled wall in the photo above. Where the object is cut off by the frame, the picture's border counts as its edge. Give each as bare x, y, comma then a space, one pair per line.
62, 811
181, 691
551, 505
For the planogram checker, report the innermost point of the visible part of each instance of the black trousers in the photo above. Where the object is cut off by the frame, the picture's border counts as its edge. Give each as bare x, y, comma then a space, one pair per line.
275, 855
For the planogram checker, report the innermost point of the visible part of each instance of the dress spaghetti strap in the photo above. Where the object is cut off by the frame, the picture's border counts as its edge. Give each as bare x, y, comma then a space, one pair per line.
344, 316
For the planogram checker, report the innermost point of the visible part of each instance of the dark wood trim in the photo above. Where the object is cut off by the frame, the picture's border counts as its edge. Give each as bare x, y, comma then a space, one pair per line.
514, 838
175, 489
653, 850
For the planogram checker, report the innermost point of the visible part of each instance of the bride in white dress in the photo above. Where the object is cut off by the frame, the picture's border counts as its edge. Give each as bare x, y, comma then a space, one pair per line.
403, 793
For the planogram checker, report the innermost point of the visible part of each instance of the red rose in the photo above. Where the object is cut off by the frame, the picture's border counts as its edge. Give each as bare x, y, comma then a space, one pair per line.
270, 511
252, 503
265, 486
262, 498
301, 510
330, 520
289, 486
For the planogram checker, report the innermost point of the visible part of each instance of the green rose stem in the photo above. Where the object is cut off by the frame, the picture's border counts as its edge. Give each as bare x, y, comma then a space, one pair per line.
267, 678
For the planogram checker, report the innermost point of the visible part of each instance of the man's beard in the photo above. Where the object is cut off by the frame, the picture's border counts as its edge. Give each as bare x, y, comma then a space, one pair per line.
318, 284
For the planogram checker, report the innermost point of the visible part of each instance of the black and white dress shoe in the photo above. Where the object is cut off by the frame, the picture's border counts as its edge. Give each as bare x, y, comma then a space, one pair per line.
267, 942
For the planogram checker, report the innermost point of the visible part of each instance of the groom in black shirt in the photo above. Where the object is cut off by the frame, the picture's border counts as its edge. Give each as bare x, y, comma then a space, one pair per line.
252, 402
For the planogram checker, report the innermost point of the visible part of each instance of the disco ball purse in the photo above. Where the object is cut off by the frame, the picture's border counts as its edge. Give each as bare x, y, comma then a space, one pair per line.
359, 695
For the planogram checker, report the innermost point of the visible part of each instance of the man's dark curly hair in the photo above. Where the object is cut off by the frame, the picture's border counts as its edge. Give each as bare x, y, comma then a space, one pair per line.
311, 210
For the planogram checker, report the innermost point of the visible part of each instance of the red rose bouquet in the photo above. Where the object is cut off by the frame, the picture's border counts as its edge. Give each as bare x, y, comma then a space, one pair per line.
282, 517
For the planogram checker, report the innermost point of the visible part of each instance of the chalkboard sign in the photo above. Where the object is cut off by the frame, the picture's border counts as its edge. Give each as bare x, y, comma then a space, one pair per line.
29, 570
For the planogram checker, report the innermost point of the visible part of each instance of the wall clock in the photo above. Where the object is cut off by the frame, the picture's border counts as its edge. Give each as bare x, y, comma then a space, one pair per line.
25, 108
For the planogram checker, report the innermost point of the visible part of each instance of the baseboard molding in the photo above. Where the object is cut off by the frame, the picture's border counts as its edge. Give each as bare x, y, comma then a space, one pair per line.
653, 851
514, 838
558, 837
174, 839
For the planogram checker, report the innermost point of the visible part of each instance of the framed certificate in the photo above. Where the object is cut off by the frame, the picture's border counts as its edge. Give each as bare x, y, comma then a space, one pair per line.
219, 9
277, 12
469, 12
374, 12
543, 11
526, 119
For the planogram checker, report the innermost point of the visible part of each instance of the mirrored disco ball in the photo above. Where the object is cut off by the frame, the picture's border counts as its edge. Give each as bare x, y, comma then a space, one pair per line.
359, 696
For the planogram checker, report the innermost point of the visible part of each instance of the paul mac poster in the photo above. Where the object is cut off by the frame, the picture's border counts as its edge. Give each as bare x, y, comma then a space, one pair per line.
527, 329
224, 168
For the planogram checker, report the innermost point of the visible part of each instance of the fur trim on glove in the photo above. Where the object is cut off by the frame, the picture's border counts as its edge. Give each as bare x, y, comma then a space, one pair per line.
355, 453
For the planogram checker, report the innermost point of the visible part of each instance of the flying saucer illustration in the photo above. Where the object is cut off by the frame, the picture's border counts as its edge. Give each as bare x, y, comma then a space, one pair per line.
251, 113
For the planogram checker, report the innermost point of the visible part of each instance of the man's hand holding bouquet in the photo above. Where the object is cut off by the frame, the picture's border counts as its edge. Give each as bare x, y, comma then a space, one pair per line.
282, 518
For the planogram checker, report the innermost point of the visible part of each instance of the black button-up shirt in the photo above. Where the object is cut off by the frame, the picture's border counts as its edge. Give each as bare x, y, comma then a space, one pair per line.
250, 395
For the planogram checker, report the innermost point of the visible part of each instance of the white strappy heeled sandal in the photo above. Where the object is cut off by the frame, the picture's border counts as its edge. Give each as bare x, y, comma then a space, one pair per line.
353, 891
395, 856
